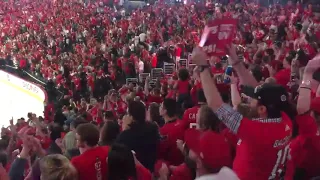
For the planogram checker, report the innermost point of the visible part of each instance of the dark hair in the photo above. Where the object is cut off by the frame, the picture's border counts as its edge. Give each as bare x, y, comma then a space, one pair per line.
77, 122
257, 73
88, 133
109, 133
137, 110
155, 114
121, 163
302, 57
171, 106
208, 119
109, 115
55, 131
183, 74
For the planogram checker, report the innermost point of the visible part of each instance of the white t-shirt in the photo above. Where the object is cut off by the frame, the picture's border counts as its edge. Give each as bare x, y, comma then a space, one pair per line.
141, 66
136, 40
224, 174
142, 37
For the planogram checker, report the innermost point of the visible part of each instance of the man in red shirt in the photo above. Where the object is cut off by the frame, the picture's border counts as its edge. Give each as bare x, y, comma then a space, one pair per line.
189, 116
263, 141
170, 132
203, 150
92, 163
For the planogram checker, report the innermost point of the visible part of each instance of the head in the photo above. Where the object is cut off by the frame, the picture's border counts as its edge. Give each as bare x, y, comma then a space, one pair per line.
55, 131
137, 111
121, 163
207, 119
183, 74
109, 116
74, 124
109, 132
269, 101
57, 167
168, 109
204, 152
87, 136
153, 113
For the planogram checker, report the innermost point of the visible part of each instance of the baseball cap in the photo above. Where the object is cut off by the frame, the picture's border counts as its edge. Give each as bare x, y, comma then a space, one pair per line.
212, 148
271, 95
315, 105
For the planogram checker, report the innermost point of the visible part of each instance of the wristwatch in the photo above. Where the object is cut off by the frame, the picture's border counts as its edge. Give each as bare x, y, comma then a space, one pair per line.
203, 67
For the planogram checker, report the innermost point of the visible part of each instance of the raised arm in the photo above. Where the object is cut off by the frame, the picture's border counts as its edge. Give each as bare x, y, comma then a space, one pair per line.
225, 112
304, 99
244, 75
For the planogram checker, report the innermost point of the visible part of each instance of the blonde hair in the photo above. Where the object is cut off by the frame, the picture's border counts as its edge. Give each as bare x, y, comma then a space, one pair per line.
57, 167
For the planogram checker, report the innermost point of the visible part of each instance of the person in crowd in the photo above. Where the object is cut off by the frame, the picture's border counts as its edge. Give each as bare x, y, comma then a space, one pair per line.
57, 166
153, 114
170, 132
190, 115
123, 165
269, 101
306, 145
138, 135
109, 133
183, 86
91, 163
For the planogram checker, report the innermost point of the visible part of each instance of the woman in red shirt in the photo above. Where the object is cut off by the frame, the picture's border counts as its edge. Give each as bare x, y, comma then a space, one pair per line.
183, 86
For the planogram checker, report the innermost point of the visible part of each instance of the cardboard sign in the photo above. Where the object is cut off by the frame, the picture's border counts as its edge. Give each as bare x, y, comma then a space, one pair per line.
217, 34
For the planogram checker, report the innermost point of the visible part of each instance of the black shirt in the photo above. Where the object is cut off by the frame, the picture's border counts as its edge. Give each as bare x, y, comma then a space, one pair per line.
143, 140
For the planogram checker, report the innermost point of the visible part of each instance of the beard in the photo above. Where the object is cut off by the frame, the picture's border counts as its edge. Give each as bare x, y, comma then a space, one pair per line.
253, 113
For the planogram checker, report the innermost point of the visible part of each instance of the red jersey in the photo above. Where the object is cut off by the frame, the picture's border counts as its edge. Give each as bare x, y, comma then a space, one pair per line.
143, 173
156, 99
303, 149
190, 115
262, 148
183, 87
170, 133
92, 164
181, 172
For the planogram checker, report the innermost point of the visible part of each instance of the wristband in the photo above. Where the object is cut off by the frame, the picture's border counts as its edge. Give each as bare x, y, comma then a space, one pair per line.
305, 88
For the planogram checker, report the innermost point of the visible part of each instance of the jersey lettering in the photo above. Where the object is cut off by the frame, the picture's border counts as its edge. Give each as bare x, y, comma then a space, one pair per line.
281, 159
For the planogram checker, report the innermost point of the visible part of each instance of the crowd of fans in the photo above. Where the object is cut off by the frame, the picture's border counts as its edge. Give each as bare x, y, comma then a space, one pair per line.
260, 122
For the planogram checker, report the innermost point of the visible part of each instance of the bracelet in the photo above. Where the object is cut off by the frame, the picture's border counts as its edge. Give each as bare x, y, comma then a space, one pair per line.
305, 88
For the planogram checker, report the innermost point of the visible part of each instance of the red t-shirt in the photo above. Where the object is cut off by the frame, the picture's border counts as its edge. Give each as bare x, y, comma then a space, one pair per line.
304, 148
190, 115
262, 148
183, 87
92, 164
143, 173
156, 99
170, 133
181, 172
283, 77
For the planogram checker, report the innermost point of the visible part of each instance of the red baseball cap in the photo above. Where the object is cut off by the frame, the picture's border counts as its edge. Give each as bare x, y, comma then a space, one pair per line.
315, 105
212, 148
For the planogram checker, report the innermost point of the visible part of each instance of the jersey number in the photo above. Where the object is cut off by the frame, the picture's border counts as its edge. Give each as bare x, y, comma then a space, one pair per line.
281, 159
